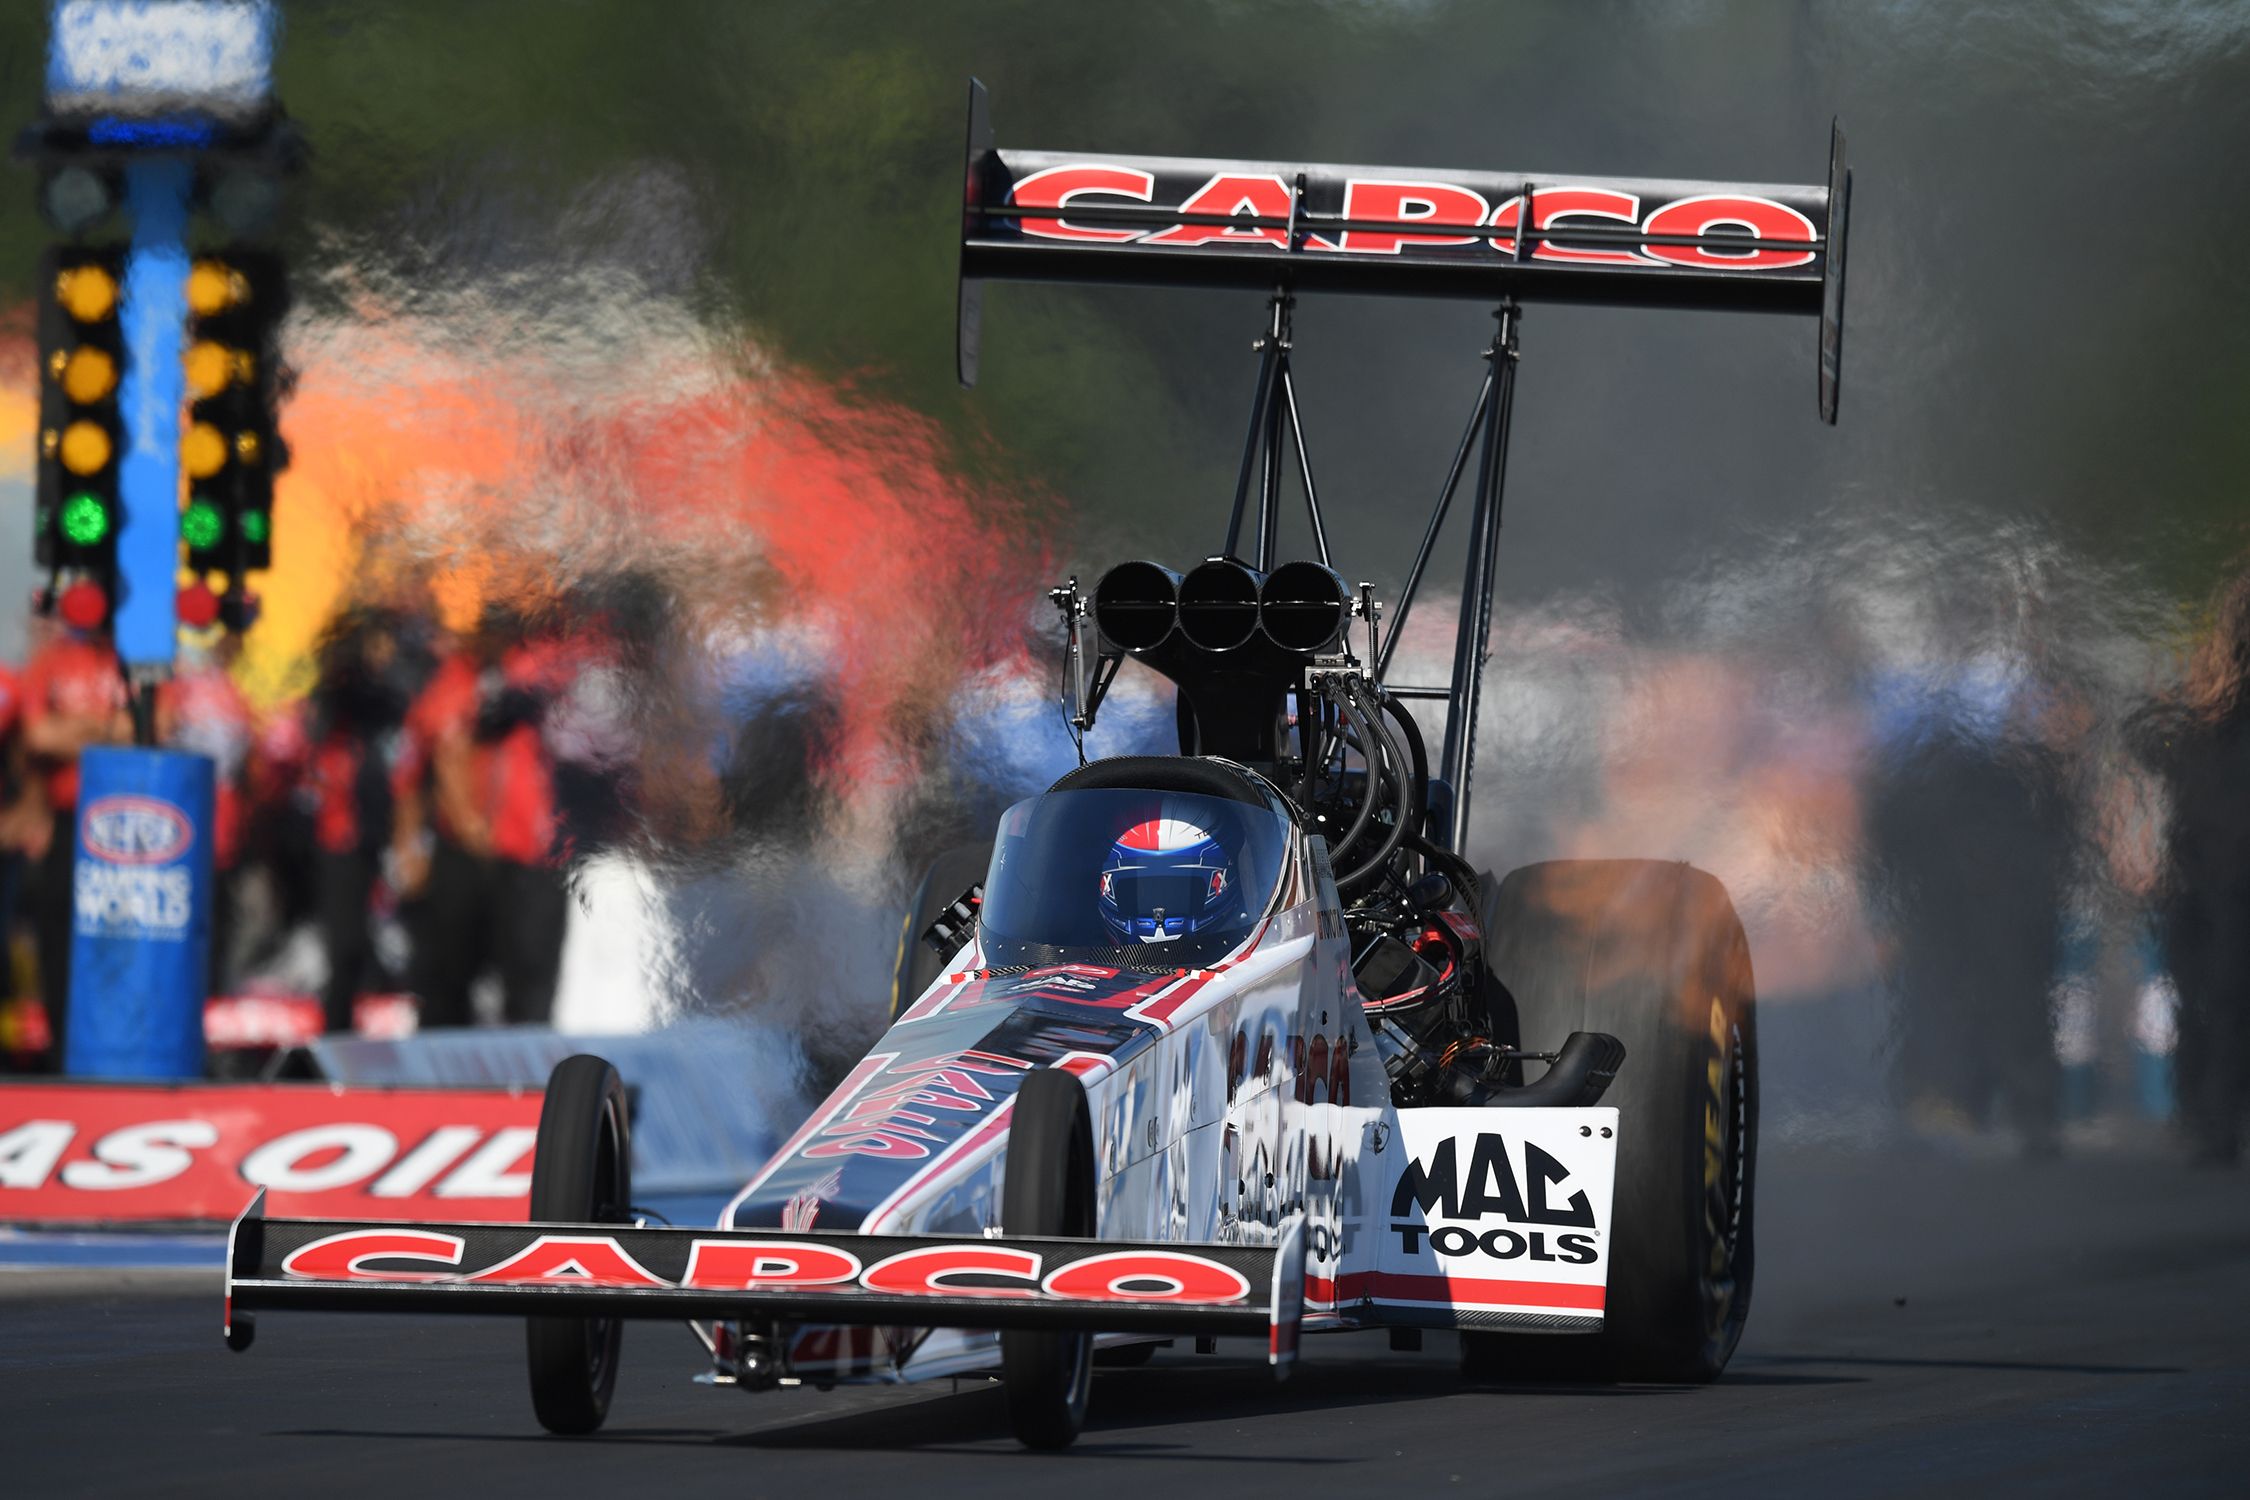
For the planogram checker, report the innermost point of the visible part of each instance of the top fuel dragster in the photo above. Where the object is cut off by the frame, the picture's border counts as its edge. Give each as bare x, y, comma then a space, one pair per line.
1233, 1042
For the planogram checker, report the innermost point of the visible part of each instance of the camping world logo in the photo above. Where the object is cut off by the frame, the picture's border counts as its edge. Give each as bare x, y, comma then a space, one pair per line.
131, 830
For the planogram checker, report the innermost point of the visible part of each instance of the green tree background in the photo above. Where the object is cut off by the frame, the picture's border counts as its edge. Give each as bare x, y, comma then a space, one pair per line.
2045, 316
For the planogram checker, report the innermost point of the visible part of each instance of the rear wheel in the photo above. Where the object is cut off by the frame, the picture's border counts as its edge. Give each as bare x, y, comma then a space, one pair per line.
581, 1173
1048, 1190
919, 965
1652, 953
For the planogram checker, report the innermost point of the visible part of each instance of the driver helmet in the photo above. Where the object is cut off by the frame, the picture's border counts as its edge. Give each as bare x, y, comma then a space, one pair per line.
1165, 878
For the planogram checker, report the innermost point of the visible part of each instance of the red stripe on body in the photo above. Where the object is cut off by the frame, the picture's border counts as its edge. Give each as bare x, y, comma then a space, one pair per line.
853, 1082
1466, 1291
1078, 1064
940, 996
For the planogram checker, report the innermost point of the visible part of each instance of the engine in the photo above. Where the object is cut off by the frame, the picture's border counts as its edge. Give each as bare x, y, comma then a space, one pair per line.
1268, 677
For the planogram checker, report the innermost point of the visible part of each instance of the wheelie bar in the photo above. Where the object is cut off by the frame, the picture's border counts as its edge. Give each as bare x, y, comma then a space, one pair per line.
618, 1270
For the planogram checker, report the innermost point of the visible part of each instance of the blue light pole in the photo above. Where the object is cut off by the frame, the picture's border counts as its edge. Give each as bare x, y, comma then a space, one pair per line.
153, 312
140, 99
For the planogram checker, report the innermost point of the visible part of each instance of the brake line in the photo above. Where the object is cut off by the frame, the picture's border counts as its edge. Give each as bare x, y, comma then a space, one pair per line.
1395, 758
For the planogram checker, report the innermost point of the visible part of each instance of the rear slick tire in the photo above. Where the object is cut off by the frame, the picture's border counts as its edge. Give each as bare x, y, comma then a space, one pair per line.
581, 1173
1652, 953
1048, 1191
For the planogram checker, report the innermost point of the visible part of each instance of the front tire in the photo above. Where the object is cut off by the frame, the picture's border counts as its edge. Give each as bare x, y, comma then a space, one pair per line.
1652, 953
581, 1173
1048, 1191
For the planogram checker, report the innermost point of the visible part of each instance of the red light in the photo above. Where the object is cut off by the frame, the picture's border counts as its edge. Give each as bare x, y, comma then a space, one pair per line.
197, 606
84, 605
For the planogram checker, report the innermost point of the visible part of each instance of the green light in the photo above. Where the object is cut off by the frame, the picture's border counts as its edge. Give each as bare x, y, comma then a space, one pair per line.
85, 518
201, 524
256, 526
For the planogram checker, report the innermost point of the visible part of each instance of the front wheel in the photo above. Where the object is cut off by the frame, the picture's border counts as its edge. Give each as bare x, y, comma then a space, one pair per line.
581, 1173
1048, 1191
1652, 953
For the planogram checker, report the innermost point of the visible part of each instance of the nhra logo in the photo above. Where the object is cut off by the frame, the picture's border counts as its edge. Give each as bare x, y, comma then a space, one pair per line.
130, 830
1487, 1187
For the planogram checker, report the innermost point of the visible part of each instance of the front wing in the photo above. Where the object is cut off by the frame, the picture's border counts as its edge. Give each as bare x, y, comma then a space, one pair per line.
614, 1270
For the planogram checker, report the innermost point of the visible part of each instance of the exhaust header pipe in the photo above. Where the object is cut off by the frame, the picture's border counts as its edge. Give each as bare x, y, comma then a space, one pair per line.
1234, 640
1136, 605
1305, 607
1219, 605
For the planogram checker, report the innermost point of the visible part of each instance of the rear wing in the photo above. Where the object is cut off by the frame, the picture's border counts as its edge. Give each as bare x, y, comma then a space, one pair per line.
616, 1270
1530, 237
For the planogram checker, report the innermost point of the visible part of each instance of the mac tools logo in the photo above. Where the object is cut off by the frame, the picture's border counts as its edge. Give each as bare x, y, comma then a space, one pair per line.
1484, 1188
131, 830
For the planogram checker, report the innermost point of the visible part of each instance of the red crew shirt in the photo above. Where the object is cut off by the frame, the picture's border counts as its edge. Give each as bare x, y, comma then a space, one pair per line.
520, 774
333, 769
520, 796
446, 704
210, 717
11, 702
77, 678
512, 778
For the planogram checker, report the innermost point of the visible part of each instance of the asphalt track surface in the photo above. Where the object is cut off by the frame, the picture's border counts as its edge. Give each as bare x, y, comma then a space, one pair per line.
1924, 1324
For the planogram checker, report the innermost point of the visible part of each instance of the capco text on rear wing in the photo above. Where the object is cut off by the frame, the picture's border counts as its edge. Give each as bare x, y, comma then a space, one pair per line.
1509, 238
1529, 236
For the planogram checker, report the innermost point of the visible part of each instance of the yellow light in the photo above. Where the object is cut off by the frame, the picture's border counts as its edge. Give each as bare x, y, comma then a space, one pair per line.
85, 448
86, 374
87, 293
213, 287
246, 447
212, 367
203, 452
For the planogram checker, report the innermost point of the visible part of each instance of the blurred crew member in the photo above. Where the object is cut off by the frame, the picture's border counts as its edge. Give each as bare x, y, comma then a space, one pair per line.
356, 710
278, 816
202, 711
23, 817
73, 696
11, 744
509, 779
430, 862
1969, 827
592, 726
2203, 901
20, 805
495, 889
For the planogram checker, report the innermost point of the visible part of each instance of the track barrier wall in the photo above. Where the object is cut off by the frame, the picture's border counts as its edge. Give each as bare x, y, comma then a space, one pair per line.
438, 1126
